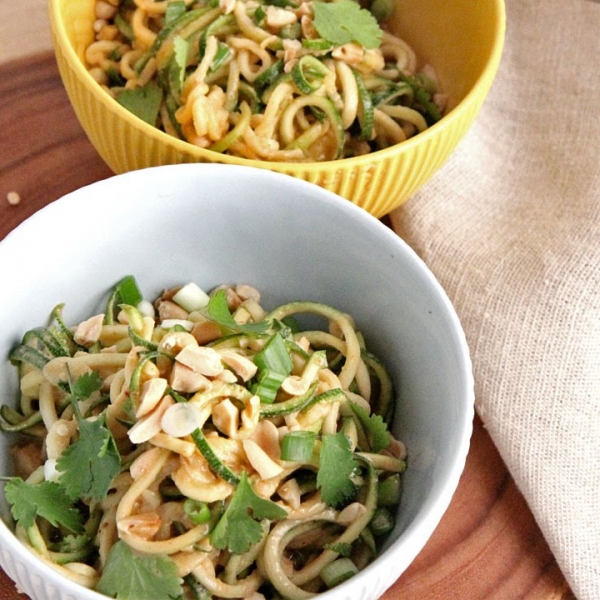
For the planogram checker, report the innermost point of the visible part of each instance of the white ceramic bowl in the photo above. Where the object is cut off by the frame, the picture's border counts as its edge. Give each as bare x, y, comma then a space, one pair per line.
293, 240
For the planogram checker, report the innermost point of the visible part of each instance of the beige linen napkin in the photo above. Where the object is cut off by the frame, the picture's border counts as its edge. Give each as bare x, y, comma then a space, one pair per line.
511, 228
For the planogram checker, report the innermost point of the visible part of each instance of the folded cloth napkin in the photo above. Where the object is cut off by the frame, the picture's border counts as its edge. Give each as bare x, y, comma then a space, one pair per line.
511, 228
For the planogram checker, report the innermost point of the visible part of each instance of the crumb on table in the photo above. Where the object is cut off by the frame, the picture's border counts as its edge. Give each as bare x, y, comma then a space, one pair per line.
13, 198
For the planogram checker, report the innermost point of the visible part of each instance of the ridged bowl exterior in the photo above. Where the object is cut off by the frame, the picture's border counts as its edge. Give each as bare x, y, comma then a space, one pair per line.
468, 40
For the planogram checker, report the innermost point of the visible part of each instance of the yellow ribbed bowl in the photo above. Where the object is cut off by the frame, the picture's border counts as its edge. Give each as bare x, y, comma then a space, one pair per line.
461, 39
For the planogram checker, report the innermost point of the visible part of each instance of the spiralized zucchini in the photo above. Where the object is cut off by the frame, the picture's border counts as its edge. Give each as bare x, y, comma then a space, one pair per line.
245, 455
257, 79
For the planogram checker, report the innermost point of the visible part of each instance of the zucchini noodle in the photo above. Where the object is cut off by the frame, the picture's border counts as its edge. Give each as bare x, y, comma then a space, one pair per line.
255, 79
213, 403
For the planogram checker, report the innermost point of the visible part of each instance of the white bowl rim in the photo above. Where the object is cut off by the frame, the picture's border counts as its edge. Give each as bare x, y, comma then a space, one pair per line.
435, 507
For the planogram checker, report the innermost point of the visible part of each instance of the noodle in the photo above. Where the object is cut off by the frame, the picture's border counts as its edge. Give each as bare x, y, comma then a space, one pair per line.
207, 62
197, 424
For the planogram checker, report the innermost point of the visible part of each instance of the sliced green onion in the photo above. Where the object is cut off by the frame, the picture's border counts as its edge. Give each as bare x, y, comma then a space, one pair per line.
389, 490
259, 16
274, 356
129, 291
191, 297
267, 386
338, 571
293, 31
297, 446
318, 44
274, 365
197, 511
382, 522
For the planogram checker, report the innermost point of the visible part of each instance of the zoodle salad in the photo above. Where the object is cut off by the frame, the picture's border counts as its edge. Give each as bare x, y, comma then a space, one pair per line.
202, 447
277, 80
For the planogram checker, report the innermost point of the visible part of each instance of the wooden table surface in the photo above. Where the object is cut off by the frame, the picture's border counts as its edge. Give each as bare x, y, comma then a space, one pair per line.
487, 545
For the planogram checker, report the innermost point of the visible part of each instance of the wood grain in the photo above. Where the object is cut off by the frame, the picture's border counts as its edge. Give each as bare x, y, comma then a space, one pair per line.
487, 546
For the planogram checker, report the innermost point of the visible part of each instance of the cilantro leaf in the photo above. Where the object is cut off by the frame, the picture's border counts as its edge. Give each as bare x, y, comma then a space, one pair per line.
237, 530
85, 385
46, 499
344, 21
336, 467
218, 311
129, 576
181, 48
375, 427
89, 465
143, 102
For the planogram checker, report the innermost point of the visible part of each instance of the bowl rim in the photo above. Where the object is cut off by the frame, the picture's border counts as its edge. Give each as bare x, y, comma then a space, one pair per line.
470, 101
417, 532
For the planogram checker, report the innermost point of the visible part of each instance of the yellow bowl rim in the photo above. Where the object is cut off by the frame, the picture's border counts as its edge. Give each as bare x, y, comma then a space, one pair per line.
479, 89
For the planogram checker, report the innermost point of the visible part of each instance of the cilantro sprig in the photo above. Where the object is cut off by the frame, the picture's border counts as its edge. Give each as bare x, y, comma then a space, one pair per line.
87, 468
89, 465
337, 465
131, 576
237, 529
375, 427
46, 499
144, 102
344, 21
